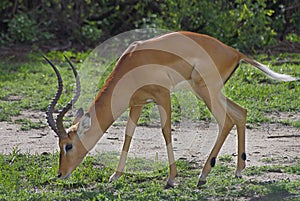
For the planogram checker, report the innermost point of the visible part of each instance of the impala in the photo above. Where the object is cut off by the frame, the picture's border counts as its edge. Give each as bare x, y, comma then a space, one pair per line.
148, 71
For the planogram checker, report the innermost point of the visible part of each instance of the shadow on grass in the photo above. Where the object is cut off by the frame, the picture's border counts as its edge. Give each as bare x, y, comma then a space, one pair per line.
276, 190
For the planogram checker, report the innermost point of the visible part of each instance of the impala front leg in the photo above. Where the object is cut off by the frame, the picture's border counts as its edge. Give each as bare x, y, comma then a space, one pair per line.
134, 115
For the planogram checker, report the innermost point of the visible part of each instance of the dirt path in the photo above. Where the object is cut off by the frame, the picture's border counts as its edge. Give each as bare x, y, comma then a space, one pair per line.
267, 144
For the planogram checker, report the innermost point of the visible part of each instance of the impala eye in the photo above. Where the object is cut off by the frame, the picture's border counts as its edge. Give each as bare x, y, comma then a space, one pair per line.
69, 147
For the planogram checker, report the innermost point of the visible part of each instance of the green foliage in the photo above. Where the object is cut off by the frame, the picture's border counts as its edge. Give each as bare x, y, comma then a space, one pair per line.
32, 177
226, 158
252, 25
242, 24
91, 34
23, 29
245, 24
293, 38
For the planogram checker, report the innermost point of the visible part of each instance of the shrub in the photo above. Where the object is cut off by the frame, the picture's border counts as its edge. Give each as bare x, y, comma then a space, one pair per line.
23, 29
245, 24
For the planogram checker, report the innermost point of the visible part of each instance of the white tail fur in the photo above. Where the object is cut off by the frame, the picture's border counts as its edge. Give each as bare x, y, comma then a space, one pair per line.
269, 72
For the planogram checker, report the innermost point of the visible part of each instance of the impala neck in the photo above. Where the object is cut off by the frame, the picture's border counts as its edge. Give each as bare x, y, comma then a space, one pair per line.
103, 113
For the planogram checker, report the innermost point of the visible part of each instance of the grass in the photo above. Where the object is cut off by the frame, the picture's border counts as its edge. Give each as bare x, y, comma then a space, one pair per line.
30, 86
31, 177
261, 95
27, 124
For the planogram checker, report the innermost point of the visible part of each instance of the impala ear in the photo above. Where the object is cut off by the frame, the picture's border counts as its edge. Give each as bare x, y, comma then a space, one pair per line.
78, 116
84, 125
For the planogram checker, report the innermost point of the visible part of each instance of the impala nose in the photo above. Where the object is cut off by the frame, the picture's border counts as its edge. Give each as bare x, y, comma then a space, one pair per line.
59, 175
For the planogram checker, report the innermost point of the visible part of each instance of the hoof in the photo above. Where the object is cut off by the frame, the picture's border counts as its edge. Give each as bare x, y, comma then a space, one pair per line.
238, 176
170, 183
201, 183
168, 186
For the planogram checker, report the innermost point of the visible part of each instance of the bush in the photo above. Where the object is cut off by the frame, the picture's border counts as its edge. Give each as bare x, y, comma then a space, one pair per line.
242, 24
23, 29
90, 34
245, 24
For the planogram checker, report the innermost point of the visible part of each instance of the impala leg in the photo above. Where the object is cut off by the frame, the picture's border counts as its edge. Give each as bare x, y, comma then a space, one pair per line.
227, 114
164, 108
216, 103
134, 115
239, 115
211, 161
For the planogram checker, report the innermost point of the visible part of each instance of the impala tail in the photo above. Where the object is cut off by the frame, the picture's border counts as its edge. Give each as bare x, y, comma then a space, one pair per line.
269, 72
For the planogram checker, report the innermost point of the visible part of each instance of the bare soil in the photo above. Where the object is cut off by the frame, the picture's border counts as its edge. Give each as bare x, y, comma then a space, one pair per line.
268, 144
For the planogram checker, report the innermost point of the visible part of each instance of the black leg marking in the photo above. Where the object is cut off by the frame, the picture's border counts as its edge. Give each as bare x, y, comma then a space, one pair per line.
244, 157
213, 162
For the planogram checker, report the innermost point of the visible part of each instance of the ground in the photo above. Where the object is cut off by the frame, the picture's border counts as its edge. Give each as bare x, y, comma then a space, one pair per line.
267, 144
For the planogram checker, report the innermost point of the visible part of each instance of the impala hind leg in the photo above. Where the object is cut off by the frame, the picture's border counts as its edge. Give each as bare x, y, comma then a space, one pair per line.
216, 103
211, 161
227, 114
239, 115
164, 107
134, 115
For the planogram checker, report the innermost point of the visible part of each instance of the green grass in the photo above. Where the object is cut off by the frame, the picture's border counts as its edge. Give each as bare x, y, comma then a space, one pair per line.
262, 95
27, 124
32, 177
31, 85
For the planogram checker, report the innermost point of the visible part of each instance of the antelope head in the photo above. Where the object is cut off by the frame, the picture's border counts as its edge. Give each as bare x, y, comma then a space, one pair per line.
72, 150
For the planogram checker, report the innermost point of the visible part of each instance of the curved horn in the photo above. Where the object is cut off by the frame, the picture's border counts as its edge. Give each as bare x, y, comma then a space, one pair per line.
58, 127
59, 120
50, 110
